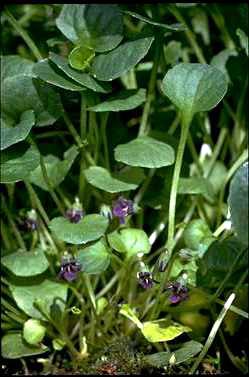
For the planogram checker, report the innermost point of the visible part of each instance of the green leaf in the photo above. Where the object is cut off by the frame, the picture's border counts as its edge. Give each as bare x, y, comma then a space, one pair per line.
130, 175
161, 331
57, 169
15, 347
49, 291
173, 27
91, 25
22, 92
33, 331
13, 65
102, 179
82, 78
109, 66
194, 87
243, 38
81, 57
13, 135
217, 176
220, 60
89, 228
128, 312
217, 260
18, 163
197, 235
125, 100
173, 52
238, 203
129, 241
26, 263
145, 152
94, 258
186, 352
46, 72
196, 185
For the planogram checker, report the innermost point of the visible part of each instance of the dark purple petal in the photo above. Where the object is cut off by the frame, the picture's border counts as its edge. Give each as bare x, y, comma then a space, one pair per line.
145, 280
121, 208
69, 269
74, 215
174, 299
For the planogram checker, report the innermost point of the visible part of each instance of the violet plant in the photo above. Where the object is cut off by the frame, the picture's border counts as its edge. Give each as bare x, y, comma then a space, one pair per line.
124, 144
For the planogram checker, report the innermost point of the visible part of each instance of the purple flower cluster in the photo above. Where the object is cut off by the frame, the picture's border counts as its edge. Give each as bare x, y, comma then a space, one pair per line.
74, 215
178, 292
145, 279
69, 269
30, 224
121, 208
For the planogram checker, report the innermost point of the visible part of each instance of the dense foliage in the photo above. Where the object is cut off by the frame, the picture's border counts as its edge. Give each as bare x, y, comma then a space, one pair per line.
124, 188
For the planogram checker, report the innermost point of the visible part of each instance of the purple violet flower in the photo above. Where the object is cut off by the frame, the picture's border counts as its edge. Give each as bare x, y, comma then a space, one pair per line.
74, 215
121, 208
30, 224
69, 269
145, 279
179, 292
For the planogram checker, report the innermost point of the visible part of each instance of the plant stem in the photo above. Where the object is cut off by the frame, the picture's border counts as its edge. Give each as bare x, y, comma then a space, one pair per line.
30, 43
34, 197
72, 130
104, 120
213, 333
13, 226
186, 120
143, 129
49, 185
83, 124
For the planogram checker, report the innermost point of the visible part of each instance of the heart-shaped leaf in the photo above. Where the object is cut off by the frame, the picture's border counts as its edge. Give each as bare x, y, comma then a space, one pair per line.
26, 263
13, 65
94, 259
238, 203
56, 169
145, 152
12, 135
125, 100
194, 87
15, 347
109, 66
48, 73
89, 228
91, 25
18, 163
25, 297
82, 78
129, 241
102, 179
161, 331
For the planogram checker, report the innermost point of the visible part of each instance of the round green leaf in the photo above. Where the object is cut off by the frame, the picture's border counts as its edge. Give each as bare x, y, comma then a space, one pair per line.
80, 58
194, 87
91, 25
51, 292
89, 228
18, 163
12, 135
47, 73
15, 347
12, 65
195, 234
102, 179
129, 241
238, 203
80, 77
109, 66
56, 169
26, 263
95, 258
196, 185
161, 331
145, 152
125, 100
33, 331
